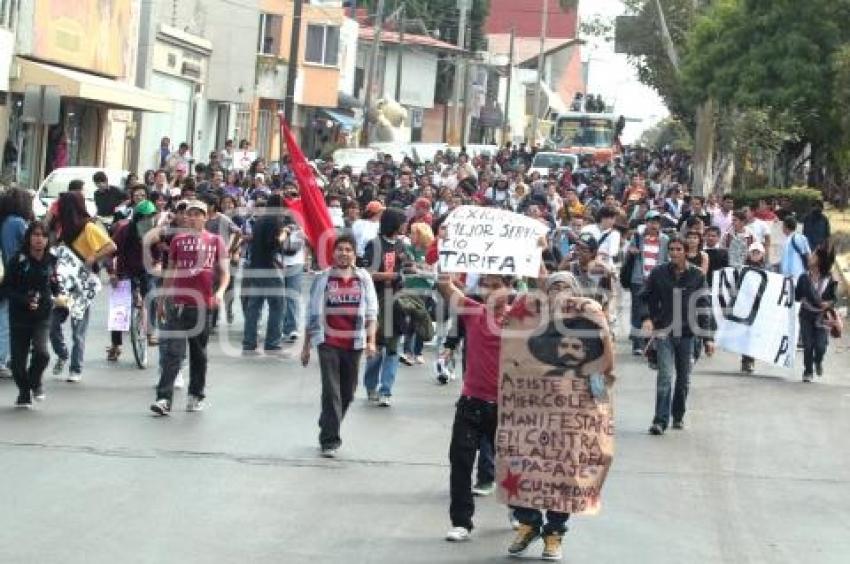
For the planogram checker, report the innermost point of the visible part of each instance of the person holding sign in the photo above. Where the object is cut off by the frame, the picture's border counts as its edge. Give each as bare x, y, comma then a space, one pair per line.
551, 380
475, 415
667, 308
816, 290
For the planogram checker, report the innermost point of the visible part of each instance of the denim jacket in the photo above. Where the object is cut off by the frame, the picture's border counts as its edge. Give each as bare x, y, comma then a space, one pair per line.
368, 309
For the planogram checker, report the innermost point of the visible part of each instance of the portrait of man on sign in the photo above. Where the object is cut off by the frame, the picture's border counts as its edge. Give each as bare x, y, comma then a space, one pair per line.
570, 346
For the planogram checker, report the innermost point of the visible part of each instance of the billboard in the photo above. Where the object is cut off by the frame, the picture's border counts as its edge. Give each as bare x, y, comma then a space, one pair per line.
94, 35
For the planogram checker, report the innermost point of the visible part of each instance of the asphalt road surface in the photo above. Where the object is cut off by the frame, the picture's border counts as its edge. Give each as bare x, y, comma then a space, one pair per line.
761, 475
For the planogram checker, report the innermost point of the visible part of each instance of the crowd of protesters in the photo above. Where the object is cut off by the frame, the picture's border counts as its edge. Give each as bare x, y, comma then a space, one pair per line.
190, 230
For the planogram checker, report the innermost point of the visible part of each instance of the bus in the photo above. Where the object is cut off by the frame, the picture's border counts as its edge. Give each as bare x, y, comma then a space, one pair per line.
587, 135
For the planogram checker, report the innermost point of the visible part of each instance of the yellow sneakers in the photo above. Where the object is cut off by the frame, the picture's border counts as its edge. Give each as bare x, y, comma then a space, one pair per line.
552, 546
525, 536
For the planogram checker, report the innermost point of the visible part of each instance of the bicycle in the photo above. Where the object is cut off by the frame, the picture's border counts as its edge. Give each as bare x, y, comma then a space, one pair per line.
138, 330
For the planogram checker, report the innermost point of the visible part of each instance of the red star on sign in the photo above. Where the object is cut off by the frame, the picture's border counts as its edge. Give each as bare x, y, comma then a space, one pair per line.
511, 484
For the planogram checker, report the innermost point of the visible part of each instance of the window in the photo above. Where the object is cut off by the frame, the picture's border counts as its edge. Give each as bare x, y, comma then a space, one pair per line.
268, 42
9, 13
322, 45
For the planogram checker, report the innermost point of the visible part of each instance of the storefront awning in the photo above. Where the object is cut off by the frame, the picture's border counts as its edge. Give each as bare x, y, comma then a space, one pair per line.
77, 84
347, 122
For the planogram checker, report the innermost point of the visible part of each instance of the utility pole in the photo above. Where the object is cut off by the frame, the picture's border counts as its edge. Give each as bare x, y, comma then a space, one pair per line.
538, 91
370, 77
506, 127
463, 6
292, 67
400, 54
464, 129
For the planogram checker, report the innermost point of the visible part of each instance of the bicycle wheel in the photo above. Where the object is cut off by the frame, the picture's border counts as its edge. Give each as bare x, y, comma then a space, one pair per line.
138, 337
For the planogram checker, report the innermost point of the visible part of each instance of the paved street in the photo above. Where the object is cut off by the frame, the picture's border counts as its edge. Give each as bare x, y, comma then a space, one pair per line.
762, 475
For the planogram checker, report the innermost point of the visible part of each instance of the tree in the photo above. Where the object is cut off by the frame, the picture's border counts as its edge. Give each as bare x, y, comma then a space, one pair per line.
668, 132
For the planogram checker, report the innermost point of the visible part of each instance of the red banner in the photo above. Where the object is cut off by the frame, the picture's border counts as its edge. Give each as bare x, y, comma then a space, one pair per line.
311, 209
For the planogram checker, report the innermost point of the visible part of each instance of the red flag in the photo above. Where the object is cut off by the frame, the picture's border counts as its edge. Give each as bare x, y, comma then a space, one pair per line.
315, 216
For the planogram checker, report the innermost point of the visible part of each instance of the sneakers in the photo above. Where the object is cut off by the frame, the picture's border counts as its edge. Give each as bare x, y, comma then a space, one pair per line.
153, 341
419, 359
74, 377
113, 353
329, 452
819, 369
747, 366
38, 394
678, 425
526, 534
293, 337
372, 395
514, 522
195, 403
807, 377
59, 367
457, 534
656, 429
406, 360
384, 401
552, 546
443, 370
161, 407
24, 401
179, 381
251, 352
483, 489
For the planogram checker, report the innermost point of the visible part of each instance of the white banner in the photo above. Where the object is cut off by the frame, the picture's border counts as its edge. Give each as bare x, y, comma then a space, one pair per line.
756, 314
120, 306
242, 159
491, 241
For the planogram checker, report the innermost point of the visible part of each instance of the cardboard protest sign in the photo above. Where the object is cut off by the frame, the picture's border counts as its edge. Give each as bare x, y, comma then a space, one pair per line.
491, 241
756, 314
120, 305
555, 439
242, 159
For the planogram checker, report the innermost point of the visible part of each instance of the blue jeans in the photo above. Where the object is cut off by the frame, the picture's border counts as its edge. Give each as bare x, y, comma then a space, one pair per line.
413, 344
385, 365
292, 298
486, 461
79, 328
257, 291
674, 357
556, 522
5, 347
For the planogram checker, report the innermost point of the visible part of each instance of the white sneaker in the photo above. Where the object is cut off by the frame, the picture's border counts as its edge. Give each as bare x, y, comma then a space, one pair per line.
74, 377
384, 401
179, 382
458, 534
513, 520
195, 404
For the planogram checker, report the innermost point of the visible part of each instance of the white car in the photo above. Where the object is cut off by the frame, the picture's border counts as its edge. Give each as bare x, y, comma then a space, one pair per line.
543, 162
398, 151
425, 152
357, 159
58, 180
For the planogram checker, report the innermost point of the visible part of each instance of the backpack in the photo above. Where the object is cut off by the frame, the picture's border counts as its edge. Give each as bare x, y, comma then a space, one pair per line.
629, 266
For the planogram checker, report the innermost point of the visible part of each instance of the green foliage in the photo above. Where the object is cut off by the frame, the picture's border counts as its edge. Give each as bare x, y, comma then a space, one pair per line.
670, 132
802, 199
441, 16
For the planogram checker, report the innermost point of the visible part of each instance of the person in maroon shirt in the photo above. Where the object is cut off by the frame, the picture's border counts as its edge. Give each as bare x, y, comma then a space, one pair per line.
475, 416
342, 318
128, 262
195, 259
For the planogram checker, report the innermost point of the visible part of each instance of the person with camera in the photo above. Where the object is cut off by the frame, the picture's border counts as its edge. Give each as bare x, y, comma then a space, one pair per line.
32, 287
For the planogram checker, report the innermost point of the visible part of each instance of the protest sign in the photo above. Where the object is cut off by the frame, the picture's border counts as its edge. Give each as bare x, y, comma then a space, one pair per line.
555, 439
491, 241
120, 305
79, 283
242, 159
756, 314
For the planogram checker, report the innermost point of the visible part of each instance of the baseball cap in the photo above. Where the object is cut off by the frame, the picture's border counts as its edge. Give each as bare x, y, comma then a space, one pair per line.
196, 205
652, 214
756, 247
374, 207
589, 241
144, 207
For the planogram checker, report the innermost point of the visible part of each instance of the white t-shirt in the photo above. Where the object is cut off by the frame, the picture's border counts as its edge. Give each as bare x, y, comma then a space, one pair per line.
610, 247
759, 229
364, 231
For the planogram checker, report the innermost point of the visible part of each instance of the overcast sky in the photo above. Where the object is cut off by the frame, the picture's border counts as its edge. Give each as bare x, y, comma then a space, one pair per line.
611, 75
